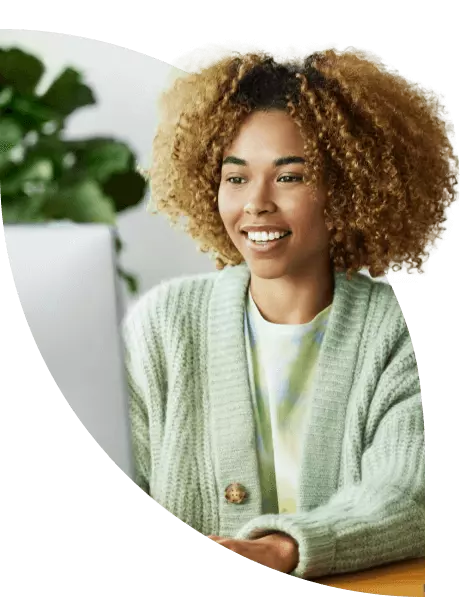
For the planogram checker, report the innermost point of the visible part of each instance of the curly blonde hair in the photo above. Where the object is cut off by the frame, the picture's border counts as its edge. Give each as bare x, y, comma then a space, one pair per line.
377, 140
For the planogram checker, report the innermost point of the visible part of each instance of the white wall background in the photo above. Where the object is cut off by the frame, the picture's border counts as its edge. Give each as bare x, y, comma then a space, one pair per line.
126, 84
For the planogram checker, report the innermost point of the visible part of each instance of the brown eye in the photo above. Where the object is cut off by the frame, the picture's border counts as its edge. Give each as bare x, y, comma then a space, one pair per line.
293, 178
234, 178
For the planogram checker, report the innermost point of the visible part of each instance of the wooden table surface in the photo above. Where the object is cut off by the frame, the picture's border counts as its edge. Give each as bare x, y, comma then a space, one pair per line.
404, 579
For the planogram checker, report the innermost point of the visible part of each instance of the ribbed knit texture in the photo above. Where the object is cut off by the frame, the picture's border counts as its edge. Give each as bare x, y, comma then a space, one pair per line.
362, 472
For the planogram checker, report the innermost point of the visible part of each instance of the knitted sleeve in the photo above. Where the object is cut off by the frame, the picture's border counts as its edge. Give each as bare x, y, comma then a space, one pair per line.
145, 373
381, 518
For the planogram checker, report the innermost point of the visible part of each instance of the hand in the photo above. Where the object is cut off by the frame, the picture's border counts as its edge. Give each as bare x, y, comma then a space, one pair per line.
277, 550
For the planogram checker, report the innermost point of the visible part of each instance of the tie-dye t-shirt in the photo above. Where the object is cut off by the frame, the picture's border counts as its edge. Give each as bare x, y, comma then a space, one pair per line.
281, 362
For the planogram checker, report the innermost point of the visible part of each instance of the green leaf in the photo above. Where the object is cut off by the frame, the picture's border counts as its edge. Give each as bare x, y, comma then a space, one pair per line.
101, 158
33, 113
82, 202
36, 171
4, 162
131, 281
20, 69
52, 148
10, 133
67, 93
22, 209
56, 150
126, 189
118, 242
6, 95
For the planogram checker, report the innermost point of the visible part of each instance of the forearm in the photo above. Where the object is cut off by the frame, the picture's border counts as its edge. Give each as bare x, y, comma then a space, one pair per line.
379, 520
356, 530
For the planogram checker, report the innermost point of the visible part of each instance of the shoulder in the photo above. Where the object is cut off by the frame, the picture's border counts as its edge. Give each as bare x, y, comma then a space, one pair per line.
171, 297
384, 312
385, 335
379, 290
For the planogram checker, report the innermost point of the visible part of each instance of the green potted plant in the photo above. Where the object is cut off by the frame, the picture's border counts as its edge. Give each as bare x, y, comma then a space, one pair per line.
46, 177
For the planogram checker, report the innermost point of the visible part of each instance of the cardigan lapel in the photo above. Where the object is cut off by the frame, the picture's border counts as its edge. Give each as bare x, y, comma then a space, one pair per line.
231, 410
232, 421
325, 425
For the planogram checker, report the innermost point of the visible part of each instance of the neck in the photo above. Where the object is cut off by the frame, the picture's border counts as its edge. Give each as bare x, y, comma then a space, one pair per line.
294, 299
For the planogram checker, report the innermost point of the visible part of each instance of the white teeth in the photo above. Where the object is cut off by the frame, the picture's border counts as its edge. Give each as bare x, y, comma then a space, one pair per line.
265, 236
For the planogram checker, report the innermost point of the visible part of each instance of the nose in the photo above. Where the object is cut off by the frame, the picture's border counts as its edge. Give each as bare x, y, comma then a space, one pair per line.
259, 203
252, 209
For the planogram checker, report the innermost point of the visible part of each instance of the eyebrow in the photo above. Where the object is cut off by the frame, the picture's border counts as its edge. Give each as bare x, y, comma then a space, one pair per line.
289, 159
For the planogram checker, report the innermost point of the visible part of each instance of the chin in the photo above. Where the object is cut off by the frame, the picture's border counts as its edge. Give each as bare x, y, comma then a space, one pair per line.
268, 269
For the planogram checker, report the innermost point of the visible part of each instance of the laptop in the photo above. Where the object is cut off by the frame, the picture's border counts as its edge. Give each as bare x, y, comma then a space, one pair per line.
67, 282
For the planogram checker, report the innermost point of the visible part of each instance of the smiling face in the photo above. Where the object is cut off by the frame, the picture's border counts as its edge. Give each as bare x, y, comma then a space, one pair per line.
262, 190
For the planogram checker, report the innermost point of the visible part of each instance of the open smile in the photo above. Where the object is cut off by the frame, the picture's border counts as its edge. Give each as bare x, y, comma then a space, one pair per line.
260, 242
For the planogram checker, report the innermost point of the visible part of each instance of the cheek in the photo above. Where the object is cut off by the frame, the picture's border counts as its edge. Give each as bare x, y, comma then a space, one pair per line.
309, 220
229, 213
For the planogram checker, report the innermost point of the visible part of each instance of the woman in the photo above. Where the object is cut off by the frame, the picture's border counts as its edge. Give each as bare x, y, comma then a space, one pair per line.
276, 403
